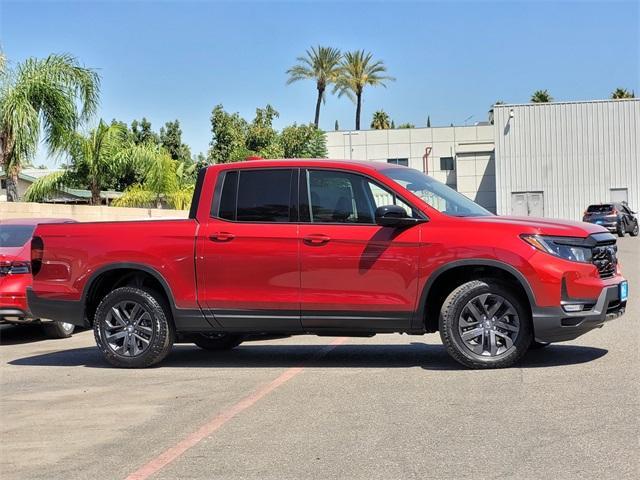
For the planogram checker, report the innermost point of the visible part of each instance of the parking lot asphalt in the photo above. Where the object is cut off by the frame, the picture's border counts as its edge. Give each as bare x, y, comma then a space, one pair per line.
387, 407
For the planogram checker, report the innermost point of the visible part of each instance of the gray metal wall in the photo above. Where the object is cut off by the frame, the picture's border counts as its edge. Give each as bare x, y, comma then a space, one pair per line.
575, 153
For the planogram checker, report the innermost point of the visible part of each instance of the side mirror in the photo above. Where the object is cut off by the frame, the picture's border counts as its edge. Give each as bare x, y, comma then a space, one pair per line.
394, 216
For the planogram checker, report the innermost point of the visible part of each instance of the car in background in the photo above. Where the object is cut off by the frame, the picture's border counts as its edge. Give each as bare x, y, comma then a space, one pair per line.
615, 217
15, 275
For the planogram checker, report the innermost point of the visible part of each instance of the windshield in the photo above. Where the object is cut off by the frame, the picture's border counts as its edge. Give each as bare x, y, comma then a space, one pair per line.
599, 208
436, 194
15, 235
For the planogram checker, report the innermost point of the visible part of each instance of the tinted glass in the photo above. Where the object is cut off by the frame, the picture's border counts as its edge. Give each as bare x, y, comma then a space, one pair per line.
436, 194
15, 235
599, 208
228, 196
263, 196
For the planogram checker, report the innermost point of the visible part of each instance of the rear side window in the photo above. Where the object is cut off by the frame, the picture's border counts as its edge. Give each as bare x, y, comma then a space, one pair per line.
15, 235
600, 208
256, 196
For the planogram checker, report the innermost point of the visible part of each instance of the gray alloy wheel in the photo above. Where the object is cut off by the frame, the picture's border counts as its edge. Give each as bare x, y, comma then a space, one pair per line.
58, 329
488, 325
128, 329
621, 230
133, 327
635, 231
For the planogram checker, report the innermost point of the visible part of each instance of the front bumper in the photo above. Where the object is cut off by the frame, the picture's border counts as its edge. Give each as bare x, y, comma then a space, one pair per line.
553, 324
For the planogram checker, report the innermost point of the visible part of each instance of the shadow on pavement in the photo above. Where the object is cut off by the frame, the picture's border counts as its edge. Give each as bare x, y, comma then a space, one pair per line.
18, 334
417, 354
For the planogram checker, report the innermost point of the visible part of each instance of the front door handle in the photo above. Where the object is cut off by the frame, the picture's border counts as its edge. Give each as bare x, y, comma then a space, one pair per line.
221, 237
316, 239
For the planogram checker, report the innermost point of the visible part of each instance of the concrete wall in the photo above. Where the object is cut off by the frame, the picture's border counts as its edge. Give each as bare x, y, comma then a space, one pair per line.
557, 158
471, 147
83, 213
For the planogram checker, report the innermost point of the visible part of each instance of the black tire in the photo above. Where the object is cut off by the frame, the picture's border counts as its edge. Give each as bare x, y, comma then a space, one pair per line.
635, 231
538, 345
621, 230
158, 320
218, 341
58, 329
450, 325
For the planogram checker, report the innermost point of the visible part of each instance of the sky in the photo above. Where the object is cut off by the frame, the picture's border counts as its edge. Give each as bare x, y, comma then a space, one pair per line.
452, 60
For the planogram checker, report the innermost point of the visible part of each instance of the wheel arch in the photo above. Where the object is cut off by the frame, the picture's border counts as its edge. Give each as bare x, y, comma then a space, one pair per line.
446, 278
125, 272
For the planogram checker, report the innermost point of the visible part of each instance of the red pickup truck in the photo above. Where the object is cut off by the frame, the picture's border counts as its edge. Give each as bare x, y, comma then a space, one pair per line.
287, 247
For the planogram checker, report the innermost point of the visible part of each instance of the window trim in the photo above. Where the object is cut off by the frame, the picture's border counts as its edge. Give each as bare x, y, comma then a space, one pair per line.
217, 192
304, 171
215, 204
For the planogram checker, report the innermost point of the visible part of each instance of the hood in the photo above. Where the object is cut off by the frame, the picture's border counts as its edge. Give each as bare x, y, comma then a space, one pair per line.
543, 226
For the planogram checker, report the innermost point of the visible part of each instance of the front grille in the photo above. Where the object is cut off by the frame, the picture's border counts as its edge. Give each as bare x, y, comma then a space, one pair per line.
605, 258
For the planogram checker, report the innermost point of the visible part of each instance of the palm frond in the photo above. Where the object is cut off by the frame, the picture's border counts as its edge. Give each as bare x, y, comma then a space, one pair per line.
45, 187
136, 196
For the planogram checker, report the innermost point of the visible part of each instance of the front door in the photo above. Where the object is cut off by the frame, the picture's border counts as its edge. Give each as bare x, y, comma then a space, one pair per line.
355, 275
248, 252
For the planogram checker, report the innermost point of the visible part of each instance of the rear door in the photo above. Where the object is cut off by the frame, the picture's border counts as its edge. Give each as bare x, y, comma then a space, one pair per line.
355, 275
248, 252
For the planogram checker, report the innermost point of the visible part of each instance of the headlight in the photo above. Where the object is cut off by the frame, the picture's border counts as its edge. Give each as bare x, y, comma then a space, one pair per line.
568, 248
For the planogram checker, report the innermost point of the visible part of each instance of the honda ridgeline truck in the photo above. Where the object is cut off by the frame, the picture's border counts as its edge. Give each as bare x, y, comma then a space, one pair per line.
342, 248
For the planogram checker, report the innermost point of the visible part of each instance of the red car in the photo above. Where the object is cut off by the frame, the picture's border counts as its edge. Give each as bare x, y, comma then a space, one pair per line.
286, 247
15, 275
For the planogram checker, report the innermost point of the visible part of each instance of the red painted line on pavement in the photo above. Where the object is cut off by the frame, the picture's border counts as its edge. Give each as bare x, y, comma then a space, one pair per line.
172, 453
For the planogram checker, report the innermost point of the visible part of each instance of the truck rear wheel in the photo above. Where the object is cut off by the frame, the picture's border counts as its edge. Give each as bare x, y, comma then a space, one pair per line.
484, 324
132, 327
218, 341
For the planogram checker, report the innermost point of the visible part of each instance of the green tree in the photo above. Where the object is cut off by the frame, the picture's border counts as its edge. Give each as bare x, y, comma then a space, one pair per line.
619, 93
229, 135
143, 133
380, 120
428, 121
541, 96
261, 136
295, 140
53, 95
406, 125
171, 140
321, 64
95, 160
317, 145
336, 126
358, 69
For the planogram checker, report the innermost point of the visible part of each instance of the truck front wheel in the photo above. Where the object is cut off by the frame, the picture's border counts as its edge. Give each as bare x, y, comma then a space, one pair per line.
132, 327
484, 324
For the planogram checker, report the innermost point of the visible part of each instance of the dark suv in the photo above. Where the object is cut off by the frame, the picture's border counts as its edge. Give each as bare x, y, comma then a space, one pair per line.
615, 217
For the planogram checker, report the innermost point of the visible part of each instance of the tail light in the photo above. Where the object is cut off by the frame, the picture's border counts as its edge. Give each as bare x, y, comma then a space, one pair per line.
14, 268
37, 252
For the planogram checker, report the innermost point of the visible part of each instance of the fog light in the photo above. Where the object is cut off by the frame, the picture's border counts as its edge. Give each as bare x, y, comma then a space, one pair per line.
576, 307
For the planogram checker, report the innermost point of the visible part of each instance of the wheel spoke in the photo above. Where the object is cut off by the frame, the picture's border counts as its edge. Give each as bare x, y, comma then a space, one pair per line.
506, 326
495, 307
116, 336
493, 345
144, 316
475, 313
471, 334
134, 312
142, 328
118, 315
508, 342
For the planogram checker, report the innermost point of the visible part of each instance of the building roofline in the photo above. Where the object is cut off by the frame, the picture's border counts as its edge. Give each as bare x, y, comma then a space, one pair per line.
533, 104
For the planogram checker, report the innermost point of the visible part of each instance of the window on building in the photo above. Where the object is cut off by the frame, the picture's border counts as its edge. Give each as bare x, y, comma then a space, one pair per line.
256, 196
399, 161
446, 163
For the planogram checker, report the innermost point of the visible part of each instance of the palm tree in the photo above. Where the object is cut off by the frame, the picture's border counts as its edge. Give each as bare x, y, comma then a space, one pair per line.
53, 95
358, 69
619, 93
164, 180
380, 120
541, 96
321, 64
95, 160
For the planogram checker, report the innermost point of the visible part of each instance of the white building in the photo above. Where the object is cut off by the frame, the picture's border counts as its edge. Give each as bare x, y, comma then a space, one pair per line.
544, 159
461, 157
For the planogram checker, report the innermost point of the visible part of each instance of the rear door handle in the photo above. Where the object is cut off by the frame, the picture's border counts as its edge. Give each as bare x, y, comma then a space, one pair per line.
221, 237
316, 239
